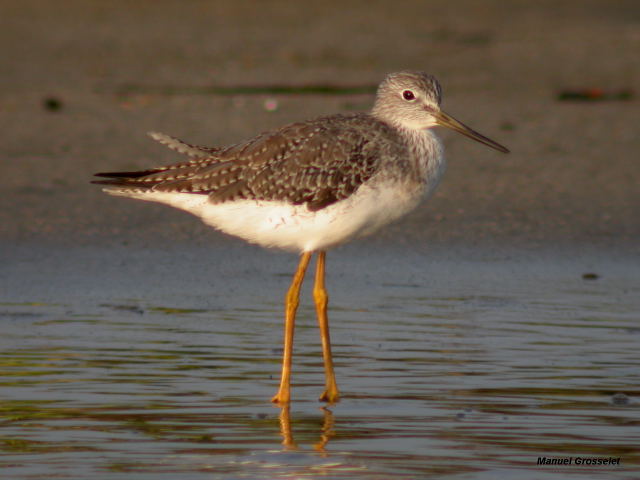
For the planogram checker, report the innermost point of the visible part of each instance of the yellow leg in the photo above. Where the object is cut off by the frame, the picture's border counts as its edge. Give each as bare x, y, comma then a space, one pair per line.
291, 305
321, 298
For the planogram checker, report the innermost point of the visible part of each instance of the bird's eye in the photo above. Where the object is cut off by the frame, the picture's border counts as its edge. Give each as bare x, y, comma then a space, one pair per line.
408, 95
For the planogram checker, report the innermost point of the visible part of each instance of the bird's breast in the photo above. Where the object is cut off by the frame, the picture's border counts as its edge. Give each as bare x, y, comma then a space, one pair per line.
425, 162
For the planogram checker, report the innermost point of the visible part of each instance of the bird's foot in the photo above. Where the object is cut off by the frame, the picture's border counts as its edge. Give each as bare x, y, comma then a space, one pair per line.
281, 398
330, 395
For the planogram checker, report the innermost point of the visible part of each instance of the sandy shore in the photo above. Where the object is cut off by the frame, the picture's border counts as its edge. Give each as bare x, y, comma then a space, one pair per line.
82, 83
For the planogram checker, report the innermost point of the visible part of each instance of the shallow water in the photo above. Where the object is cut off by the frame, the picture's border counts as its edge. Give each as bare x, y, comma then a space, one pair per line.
453, 369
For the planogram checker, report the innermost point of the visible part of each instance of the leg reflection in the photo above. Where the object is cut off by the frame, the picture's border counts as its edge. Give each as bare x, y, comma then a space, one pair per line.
326, 431
285, 428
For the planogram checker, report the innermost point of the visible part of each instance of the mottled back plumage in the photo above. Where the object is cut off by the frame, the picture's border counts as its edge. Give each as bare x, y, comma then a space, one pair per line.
301, 163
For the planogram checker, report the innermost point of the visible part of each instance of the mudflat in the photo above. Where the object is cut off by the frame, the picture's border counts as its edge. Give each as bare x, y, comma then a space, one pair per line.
81, 86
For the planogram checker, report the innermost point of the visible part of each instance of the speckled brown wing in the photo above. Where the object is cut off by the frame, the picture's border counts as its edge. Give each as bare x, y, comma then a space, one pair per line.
316, 163
152, 177
200, 157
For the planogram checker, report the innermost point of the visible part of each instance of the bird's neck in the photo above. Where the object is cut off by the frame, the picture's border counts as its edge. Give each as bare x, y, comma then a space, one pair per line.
425, 149
426, 160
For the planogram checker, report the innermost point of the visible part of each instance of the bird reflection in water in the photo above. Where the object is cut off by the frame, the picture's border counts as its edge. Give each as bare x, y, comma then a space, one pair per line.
326, 431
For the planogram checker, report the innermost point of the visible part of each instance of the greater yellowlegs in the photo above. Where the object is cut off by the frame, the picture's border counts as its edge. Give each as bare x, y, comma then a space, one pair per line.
311, 185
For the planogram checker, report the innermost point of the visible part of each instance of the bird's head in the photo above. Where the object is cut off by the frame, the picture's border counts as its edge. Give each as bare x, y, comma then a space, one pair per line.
411, 100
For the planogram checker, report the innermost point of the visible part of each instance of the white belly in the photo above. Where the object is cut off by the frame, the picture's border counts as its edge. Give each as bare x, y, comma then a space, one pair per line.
294, 227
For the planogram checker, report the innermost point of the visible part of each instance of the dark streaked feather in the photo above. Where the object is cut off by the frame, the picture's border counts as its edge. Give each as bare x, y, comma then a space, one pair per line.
316, 163
183, 147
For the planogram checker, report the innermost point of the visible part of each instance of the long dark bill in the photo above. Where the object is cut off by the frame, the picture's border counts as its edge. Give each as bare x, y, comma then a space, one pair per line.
448, 121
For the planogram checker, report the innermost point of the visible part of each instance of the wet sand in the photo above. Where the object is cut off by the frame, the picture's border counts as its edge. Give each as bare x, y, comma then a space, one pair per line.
572, 177
471, 320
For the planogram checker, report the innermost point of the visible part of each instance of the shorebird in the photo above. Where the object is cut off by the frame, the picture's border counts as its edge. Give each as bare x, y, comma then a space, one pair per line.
309, 186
